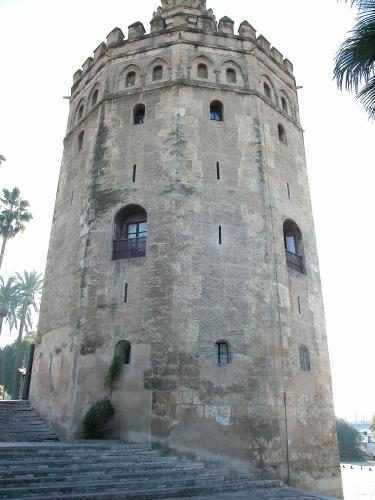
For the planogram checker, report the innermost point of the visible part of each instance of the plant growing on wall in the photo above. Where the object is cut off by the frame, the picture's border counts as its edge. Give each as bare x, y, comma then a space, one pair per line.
113, 374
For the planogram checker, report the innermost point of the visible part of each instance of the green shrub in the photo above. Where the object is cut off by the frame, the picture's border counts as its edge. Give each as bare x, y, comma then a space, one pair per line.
96, 418
349, 441
113, 373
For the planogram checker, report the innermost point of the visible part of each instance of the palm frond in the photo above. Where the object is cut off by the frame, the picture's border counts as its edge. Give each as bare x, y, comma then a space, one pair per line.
355, 59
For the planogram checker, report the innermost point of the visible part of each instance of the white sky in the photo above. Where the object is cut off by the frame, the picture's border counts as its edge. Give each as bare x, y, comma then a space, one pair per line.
43, 42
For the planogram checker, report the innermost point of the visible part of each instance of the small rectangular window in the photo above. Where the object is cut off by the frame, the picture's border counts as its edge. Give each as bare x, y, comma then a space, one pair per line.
218, 170
126, 293
134, 172
220, 236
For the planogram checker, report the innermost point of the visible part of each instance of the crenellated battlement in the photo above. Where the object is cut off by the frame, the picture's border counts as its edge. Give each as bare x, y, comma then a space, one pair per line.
191, 15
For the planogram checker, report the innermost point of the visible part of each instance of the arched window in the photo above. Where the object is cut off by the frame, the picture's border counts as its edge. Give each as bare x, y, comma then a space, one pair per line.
202, 71
267, 91
80, 140
94, 98
293, 246
284, 104
130, 233
130, 79
80, 111
304, 357
123, 350
231, 76
282, 134
223, 354
216, 111
139, 114
157, 73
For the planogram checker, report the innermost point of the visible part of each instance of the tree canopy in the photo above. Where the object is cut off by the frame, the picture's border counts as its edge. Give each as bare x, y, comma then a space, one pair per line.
13, 215
355, 60
349, 440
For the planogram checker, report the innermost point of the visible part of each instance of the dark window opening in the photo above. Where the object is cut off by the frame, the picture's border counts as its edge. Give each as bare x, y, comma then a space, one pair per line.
231, 76
223, 354
130, 79
139, 114
284, 104
130, 233
123, 350
94, 98
220, 236
157, 73
282, 134
216, 111
202, 71
126, 293
267, 90
299, 304
80, 112
80, 140
288, 189
218, 170
134, 172
293, 246
304, 356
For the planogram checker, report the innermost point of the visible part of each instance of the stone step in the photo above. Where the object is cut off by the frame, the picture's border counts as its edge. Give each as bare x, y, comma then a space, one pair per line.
85, 468
148, 489
61, 453
122, 475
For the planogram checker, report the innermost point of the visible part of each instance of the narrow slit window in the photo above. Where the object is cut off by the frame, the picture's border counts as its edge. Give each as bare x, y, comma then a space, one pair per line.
218, 170
126, 293
304, 356
80, 140
220, 236
288, 189
299, 304
71, 198
134, 172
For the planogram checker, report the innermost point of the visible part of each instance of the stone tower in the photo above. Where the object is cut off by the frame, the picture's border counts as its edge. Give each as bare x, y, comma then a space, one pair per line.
183, 241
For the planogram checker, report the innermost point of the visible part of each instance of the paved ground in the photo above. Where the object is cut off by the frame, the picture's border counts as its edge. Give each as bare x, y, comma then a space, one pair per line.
266, 494
359, 484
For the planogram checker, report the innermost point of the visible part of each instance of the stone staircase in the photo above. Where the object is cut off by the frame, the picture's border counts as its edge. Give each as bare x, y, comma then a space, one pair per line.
107, 471
20, 423
51, 470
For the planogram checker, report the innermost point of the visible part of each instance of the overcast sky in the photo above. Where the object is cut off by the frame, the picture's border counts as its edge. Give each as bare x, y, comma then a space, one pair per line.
43, 42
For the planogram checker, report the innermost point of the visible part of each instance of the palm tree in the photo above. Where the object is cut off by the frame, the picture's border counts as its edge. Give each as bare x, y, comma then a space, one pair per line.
13, 215
8, 302
28, 289
355, 59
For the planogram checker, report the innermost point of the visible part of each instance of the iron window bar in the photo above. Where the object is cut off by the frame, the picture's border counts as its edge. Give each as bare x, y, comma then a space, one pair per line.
294, 261
129, 247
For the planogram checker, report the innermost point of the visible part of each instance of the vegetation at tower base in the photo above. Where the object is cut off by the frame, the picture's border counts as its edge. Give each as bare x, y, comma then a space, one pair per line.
97, 417
28, 289
8, 357
355, 61
113, 374
13, 215
349, 441
2, 158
